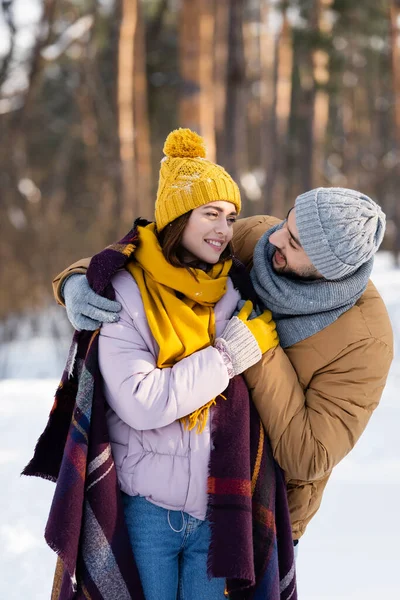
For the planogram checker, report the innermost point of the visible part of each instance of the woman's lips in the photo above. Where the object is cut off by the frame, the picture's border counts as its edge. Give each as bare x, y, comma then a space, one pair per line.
216, 245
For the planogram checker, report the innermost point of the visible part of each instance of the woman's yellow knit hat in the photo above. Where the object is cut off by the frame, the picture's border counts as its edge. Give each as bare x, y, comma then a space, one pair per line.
188, 180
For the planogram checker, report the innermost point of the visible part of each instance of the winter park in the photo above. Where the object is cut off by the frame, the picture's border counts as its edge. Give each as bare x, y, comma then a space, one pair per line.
221, 378
350, 551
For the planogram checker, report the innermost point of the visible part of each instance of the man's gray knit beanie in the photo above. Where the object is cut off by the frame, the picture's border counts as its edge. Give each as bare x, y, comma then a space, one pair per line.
339, 229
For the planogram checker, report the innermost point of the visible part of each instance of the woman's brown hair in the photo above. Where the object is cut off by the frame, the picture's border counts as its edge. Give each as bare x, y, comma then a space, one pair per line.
170, 240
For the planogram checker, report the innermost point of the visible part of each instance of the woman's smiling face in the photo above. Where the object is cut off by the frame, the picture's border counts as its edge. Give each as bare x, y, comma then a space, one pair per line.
209, 231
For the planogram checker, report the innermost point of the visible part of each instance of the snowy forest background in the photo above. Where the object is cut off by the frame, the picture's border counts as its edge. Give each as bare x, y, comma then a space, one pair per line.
289, 95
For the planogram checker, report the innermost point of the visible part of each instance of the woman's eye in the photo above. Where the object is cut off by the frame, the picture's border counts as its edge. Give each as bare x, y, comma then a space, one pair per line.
232, 220
211, 214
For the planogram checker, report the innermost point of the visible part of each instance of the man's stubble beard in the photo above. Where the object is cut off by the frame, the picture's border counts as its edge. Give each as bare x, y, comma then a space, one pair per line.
308, 274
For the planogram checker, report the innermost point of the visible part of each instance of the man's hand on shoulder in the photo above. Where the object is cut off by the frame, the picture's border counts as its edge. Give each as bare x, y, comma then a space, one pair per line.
86, 309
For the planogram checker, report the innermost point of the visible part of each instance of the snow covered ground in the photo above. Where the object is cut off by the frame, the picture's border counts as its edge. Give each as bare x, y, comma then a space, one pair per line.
351, 550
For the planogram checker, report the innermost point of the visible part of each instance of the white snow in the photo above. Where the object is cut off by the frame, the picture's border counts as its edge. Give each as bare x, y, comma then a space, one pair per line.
351, 549
26, 562
349, 552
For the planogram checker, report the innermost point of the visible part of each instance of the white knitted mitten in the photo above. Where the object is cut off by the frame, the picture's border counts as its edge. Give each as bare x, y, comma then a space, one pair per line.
238, 344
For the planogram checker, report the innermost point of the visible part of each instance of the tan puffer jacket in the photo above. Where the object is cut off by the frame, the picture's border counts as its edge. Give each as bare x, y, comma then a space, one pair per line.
316, 397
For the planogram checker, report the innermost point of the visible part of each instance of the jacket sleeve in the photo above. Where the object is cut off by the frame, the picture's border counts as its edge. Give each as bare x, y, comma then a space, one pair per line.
79, 267
144, 396
246, 234
312, 429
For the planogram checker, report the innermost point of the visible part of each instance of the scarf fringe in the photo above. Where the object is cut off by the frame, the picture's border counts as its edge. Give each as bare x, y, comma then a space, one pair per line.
199, 417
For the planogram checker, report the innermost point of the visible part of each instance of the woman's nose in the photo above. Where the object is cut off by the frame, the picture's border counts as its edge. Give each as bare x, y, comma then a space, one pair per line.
222, 226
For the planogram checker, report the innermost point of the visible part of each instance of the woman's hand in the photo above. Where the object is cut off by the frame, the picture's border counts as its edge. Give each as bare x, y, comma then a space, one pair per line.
244, 340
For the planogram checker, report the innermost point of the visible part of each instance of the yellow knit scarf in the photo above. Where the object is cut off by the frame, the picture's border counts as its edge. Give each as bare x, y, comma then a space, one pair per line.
180, 325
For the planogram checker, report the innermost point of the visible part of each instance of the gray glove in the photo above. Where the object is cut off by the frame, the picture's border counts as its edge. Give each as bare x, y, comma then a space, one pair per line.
86, 309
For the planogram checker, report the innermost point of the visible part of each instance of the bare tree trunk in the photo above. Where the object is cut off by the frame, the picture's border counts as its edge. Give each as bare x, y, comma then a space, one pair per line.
281, 112
235, 114
284, 83
268, 59
32, 270
145, 204
321, 98
20, 160
349, 112
196, 53
189, 50
9, 20
126, 91
252, 56
221, 73
206, 76
395, 52
349, 147
308, 101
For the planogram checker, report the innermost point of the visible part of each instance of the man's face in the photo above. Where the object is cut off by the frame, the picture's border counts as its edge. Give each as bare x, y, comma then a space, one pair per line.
289, 258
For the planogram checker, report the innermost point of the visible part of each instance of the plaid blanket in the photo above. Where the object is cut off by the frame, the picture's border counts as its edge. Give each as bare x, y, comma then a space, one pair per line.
251, 544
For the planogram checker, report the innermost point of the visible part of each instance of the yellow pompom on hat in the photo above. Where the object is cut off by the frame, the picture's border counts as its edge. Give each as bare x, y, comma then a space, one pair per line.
188, 180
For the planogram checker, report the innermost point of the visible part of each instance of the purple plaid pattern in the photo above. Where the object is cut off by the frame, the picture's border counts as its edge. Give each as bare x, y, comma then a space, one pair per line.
251, 542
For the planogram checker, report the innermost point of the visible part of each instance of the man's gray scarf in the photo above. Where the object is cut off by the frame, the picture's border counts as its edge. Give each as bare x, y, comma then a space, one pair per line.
302, 308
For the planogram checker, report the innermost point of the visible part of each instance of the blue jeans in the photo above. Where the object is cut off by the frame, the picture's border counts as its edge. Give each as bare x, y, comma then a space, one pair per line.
170, 549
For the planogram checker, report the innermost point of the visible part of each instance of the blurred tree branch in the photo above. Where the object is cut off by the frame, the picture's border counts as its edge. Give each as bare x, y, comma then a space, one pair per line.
7, 6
